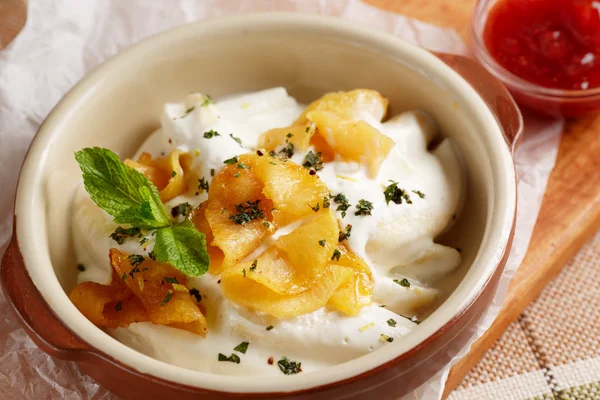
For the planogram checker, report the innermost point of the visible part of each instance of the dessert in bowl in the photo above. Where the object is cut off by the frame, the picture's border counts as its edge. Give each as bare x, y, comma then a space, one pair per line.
324, 310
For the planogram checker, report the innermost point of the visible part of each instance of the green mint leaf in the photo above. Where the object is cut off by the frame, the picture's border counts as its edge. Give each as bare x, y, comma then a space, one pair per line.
124, 193
183, 247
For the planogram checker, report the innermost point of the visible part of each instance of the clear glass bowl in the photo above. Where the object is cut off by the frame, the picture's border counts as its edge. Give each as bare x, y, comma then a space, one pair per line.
544, 100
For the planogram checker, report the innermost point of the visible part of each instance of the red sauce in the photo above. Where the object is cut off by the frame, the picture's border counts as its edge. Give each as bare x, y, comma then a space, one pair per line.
553, 43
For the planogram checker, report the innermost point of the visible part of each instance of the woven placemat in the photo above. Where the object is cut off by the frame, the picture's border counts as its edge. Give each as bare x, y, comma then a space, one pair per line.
553, 350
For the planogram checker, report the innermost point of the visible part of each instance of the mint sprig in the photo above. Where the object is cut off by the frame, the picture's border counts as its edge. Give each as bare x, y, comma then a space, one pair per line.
130, 198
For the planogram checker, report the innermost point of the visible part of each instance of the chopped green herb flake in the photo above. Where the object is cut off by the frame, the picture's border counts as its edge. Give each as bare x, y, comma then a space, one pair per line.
202, 186
196, 293
396, 194
326, 202
135, 259
322, 242
336, 255
242, 165
312, 160
364, 207
118, 306
234, 358
269, 327
173, 174
210, 134
404, 282
246, 212
166, 299
391, 322
344, 205
183, 209
244, 272
171, 280
80, 267
152, 255
345, 234
143, 241
289, 135
120, 234
315, 208
212, 172
242, 347
237, 139
254, 265
419, 193
288, 150
289, 367
267, 224
236, 175
124, 276
386, 338
207, 100
231, 160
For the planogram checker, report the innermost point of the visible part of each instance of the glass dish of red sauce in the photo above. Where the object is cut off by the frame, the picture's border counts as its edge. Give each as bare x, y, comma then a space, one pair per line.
547, 52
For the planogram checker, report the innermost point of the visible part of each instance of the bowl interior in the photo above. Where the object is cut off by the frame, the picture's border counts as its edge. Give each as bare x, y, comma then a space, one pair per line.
119, 105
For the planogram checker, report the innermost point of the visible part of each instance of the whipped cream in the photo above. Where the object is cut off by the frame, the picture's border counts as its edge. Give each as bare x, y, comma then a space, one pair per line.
396, 241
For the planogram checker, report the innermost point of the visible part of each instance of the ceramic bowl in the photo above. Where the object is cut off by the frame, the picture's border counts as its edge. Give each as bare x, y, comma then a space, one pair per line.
118, 105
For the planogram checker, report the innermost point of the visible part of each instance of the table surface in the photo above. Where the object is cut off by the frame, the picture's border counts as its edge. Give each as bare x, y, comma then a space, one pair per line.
570, 212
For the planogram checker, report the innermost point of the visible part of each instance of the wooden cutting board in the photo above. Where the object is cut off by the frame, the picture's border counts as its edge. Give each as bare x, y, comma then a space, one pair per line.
570, 212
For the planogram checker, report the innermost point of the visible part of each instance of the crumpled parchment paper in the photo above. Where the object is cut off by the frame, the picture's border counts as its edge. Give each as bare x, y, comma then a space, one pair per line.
64, 39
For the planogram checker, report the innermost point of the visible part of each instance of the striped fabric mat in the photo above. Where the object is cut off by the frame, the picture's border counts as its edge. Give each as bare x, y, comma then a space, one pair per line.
553, 350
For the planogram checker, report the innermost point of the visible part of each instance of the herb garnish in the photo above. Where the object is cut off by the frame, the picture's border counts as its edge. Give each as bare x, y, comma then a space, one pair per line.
386, 338
404, 282
231, 160
183, 209
269, 327
236, 175
326, 202
322, 242
135, 259
202, 185
254, 265
166, 299
120, 234
170, 280
336, 255
391, 322
246, 212
396, 194
130, 198
212, 172
315, 208
289, 367
80, 267
189, 110
207, 100
244, 272
419, 193
288, 150
241, 165
210, 134
345, 234
237, 139
312, 160
364, 207
118, 306
173, 174
234, 358
196, 293
344, 205
242, 347
266, 224
152, 255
